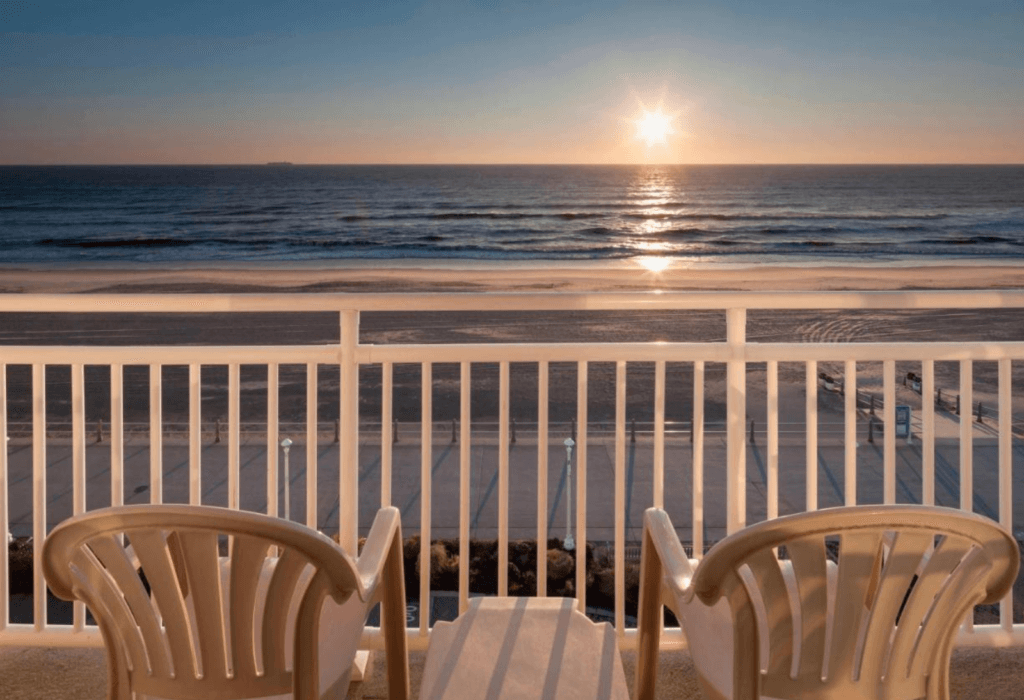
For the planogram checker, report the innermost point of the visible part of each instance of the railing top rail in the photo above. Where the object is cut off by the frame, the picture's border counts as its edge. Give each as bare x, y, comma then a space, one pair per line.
504, 301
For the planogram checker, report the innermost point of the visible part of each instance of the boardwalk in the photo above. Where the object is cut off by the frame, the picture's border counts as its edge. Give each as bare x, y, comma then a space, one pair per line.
483, 496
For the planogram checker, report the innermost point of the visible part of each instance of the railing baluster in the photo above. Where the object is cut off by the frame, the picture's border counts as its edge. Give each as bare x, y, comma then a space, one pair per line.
542, 478
581, 485
78, 465
503, 454
465, 416
195, 434
234, 485
273, 433
772, 380
850, 417
658, 497
426, 484
928, 432
811, 448
889, 452
698, 460
736, 411
4, 516
386, 436
1006, 474
620, 497
966, 435
156, 435
38, 494
348, 447
967, 450
116, 435
311, 445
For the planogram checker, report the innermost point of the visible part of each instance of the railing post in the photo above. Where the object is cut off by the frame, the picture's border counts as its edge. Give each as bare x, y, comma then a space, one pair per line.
216, 430
632, 432
751, 431
512, 436
736, 410
337, 431
981, 410
99, 430
454, 440
394, 432
958, 404
348, 452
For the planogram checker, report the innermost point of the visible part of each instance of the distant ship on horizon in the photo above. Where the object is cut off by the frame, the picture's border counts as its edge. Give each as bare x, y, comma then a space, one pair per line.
280, 162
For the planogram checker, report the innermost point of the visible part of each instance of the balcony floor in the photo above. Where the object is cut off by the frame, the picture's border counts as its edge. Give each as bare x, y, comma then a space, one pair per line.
38, 673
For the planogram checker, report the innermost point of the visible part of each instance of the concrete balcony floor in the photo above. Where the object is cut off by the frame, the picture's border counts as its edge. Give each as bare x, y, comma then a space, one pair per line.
38, 673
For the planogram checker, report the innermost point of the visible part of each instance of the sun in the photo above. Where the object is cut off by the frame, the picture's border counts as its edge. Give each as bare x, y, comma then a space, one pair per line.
654, 127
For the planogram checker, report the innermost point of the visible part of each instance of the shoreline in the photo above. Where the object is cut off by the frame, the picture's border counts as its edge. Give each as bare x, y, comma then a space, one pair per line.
410, 276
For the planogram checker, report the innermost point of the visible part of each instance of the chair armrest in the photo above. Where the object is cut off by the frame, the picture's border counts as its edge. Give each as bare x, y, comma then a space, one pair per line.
678, 572
375, 552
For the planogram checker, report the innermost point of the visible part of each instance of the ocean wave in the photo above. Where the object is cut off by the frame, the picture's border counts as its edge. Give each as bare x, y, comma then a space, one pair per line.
697, 216
113, 242
971, 240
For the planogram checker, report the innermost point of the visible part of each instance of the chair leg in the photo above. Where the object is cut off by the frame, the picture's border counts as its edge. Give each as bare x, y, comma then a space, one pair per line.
649, 620
393, 623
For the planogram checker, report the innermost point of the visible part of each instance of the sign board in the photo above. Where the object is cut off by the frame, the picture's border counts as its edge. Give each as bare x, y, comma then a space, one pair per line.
902, 421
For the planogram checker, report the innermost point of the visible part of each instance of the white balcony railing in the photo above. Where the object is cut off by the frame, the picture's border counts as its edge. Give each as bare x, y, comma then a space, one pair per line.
619, 468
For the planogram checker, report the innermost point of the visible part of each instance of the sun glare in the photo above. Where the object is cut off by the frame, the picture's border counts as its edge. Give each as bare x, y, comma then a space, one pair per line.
654, 263
654, 127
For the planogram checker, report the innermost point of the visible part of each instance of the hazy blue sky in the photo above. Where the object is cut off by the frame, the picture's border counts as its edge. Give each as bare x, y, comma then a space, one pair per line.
455, 82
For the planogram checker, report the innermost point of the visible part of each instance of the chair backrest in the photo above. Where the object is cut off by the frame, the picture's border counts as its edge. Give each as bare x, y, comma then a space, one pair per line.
860, 601
200, 631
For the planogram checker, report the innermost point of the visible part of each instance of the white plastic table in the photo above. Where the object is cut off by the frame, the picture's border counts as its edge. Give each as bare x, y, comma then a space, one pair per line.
522, 648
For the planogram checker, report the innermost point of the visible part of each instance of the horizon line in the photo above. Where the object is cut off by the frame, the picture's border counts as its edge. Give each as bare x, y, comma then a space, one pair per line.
287, 164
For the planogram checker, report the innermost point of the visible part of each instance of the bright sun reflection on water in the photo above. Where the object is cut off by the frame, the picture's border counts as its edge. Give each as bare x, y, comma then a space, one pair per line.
654, 263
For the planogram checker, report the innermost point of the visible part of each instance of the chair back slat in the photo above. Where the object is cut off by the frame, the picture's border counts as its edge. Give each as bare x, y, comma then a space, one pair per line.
945, 557
745, 641
775, 610
901, 563
96, 585
281, 598
202, 566
151, 549
142, 617
807, 557
962, 590
248, 555
858, 555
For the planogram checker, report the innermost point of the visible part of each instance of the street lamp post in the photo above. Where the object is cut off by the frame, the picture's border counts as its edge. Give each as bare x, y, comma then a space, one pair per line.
569, 543
286, 444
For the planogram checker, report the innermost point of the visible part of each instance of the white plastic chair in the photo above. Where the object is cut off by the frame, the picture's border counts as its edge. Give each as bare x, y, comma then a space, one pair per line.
280, 616
880, 623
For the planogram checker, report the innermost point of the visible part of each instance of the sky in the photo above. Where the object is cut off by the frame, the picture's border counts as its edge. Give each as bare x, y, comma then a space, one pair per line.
510, 81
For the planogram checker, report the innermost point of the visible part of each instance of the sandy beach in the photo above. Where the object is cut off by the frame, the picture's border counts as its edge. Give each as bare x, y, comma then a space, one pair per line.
475, 327
480, 276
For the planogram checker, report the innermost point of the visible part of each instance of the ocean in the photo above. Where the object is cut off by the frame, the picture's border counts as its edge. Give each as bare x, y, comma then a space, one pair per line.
289, 213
